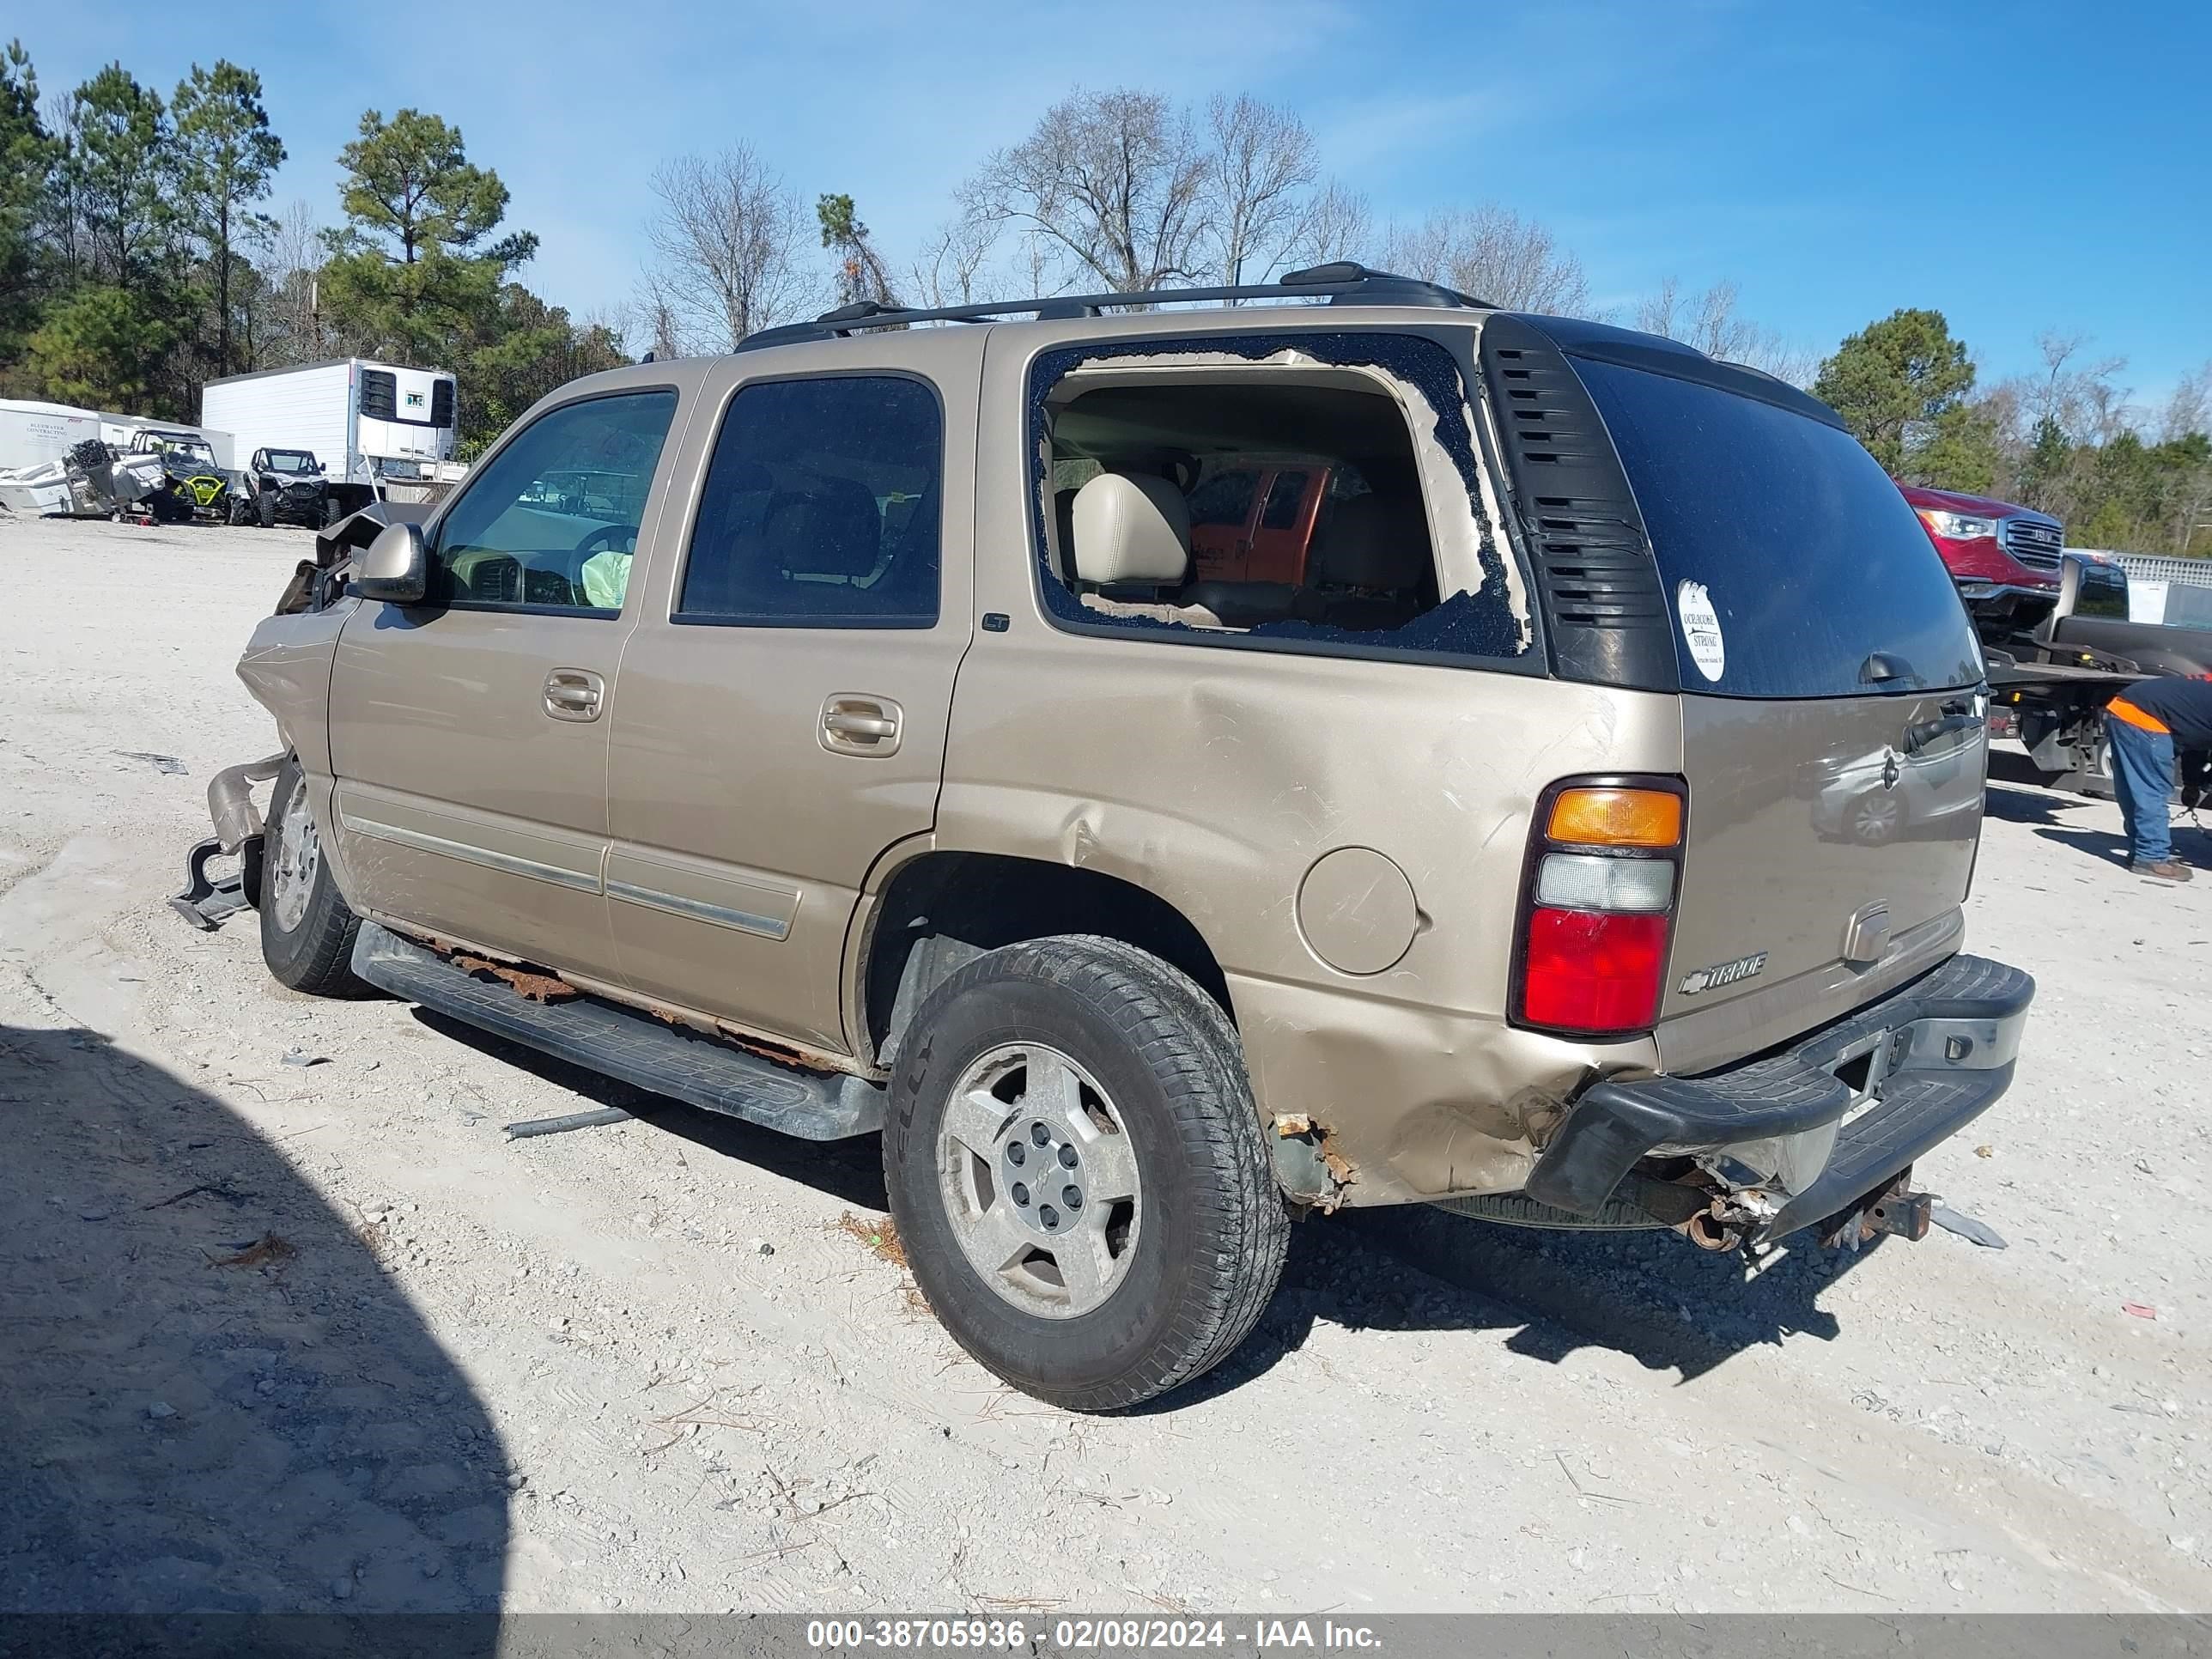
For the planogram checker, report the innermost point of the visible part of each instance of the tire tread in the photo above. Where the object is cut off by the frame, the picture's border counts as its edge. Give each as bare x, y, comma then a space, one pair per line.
317, 958
1186, 1040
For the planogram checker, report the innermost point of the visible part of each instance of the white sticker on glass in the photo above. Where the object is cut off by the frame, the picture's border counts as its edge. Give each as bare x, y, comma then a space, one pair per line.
1701, 628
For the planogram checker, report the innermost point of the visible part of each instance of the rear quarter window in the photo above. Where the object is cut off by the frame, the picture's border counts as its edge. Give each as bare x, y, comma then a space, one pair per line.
1805, 554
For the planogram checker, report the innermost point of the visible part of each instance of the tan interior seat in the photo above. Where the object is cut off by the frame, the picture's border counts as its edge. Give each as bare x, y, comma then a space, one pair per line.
1131, 535
1368, 563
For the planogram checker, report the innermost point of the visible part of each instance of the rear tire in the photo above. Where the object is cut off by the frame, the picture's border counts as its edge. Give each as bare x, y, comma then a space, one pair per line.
1075, 1099
306, 929
332, 511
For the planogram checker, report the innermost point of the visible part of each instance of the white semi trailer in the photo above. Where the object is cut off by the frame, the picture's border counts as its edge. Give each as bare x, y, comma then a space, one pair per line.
368, 423
34, 435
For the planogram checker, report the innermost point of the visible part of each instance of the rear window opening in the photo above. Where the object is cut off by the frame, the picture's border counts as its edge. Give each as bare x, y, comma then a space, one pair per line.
1284, 503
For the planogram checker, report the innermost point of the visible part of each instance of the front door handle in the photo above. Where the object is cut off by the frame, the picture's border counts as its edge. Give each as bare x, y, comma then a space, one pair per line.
857, 723
574, 693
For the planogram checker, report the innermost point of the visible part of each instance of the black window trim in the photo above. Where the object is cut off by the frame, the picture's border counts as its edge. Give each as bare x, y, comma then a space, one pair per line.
817, 624
1454, 340
435, 530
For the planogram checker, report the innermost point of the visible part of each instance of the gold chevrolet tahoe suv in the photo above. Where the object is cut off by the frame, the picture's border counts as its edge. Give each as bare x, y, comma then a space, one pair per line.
839, 734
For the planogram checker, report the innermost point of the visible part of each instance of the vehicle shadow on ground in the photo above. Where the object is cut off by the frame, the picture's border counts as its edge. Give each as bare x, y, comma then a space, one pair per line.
2028, 806
215, 1399
1649, 1295
851, 1170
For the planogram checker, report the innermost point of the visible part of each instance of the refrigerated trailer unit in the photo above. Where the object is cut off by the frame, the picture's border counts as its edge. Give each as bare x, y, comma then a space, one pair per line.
367, 422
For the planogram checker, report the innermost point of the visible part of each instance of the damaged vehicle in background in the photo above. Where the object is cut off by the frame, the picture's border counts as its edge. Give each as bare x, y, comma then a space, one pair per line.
865, 750
196, 481
283, 486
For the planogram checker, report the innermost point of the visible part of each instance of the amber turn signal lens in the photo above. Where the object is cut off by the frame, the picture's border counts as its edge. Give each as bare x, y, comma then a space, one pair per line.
1617, 817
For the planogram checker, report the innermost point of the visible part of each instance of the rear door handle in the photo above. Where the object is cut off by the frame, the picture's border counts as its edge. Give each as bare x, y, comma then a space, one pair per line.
857, 723
574, 693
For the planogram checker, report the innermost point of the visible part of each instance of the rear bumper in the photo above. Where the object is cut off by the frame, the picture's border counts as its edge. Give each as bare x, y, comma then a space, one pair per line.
1815, 1127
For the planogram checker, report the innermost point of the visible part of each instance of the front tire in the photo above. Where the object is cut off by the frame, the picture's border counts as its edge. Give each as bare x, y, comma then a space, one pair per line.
265, 508
1077, 1169
306, 929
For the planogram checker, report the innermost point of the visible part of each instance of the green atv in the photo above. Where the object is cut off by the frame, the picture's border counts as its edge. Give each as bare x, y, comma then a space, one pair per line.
194, 479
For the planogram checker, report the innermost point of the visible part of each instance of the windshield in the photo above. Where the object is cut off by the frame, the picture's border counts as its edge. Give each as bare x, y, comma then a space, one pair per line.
291, 460
194, 450
1795, 567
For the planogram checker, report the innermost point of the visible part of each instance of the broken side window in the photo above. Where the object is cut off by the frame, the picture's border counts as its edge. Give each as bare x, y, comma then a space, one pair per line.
1299, 491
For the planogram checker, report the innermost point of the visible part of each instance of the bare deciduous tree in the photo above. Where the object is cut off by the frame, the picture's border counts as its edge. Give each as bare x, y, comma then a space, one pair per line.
1708, 321
1494, 254
2078, 398
2190, 409
651, 319
726, 243
1337, 225
292, 246
952, 260
1114, 183
1260, 170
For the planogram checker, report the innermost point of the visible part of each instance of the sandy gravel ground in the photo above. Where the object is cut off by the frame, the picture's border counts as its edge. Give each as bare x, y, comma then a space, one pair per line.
306, 1336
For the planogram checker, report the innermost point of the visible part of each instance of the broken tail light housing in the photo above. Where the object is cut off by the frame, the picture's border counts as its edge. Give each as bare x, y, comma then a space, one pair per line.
1597, 909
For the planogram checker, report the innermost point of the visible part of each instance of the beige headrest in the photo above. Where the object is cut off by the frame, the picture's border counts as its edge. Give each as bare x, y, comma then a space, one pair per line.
1371, 542
1130, 530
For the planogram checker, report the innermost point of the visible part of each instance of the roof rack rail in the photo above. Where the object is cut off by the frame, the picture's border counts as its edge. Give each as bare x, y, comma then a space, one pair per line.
1343, 282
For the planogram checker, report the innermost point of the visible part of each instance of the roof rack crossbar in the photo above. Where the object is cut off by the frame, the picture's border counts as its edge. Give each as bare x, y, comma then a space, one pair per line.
1343, 282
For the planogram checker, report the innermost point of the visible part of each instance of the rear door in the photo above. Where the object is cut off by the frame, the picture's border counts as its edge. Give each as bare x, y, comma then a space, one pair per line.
785, 698
1832, 731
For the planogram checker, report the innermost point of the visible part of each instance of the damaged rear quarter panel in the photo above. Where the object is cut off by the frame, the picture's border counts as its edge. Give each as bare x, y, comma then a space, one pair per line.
1215, 779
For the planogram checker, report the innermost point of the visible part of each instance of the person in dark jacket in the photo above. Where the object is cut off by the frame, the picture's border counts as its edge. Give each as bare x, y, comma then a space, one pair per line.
2143, 726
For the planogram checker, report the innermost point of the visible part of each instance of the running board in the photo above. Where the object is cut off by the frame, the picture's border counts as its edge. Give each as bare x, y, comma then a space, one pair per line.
621, 1042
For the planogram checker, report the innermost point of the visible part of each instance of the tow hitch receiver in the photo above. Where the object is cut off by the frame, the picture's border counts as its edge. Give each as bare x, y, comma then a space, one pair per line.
1894, 1209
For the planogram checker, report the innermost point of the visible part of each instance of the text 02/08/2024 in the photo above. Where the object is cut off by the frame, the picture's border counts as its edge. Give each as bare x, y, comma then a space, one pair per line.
1087, 1635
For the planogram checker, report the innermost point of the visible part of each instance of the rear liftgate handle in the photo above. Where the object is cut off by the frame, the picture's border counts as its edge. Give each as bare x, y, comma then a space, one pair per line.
574, 693
859, 723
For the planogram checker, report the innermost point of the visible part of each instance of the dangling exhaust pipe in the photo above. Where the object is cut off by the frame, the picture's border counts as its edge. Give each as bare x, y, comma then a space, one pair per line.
1710, 1229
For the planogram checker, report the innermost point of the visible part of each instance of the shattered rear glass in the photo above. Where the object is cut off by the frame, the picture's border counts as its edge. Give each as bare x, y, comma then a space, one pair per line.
1489, 623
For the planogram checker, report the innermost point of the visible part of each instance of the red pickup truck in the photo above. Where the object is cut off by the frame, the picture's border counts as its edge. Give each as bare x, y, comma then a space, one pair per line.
2004, 558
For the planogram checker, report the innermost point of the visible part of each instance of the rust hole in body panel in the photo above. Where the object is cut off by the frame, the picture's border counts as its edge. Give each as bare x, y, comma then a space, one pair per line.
537, 988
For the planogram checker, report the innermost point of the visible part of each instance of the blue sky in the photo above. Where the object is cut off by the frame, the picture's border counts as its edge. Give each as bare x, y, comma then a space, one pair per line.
2020, 168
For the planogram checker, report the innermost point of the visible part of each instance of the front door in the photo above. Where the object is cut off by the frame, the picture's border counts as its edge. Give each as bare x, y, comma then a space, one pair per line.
468, 735
785, 698
1221, 513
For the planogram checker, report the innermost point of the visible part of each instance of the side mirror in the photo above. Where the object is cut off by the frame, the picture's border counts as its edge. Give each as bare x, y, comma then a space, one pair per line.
395, 567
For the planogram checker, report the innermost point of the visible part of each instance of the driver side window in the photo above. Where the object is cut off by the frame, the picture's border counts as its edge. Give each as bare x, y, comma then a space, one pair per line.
551, 524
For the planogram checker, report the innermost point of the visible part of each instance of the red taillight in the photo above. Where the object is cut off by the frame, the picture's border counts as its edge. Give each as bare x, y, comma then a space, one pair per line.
1603, 877
1583, 971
